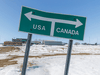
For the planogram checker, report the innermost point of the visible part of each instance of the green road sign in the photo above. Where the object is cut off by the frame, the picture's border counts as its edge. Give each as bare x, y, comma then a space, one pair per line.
52, 24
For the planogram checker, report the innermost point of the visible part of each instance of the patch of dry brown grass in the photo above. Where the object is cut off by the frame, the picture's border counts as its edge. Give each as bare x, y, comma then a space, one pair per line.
8, 61
62, 48
5, 62
81, 54
8, 49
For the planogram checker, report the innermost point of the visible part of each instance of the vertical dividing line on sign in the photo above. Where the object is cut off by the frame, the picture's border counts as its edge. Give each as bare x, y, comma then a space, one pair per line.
26, 54
52, 28
68, 57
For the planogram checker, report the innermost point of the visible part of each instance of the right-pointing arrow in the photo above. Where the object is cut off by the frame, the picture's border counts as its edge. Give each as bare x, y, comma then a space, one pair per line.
29, 15
78, 23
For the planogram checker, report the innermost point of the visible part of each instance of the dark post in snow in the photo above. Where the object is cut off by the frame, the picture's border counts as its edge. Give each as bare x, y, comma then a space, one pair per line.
26, 54
68, 57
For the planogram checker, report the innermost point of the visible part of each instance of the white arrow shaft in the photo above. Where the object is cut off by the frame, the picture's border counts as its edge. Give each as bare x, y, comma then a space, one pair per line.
53, 20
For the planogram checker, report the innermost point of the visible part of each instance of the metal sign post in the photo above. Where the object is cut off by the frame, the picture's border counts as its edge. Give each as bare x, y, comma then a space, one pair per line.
26, 54
68, 57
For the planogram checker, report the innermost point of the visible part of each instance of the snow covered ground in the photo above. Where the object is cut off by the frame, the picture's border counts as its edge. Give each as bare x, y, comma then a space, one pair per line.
0, 45
50, 60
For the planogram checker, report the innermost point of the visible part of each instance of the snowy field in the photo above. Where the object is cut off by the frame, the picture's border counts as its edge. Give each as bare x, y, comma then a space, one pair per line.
50, 60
